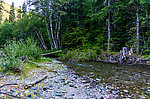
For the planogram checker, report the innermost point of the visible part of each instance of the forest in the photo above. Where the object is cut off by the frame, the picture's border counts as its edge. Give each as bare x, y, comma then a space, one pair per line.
111, 31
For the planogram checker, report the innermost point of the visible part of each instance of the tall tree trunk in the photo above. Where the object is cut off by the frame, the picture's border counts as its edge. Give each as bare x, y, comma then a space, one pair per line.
43, 40
51, 25
51, 29
49, 37
138, 29
40, 38
58, 38
108, 46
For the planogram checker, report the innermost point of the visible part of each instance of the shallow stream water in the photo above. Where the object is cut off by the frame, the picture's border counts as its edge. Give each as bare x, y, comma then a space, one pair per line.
132, 81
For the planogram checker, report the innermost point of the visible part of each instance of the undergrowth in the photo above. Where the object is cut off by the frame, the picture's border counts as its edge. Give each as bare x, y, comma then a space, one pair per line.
14, 50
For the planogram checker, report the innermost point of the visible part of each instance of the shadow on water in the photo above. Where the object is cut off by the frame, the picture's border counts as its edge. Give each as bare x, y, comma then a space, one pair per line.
133, 79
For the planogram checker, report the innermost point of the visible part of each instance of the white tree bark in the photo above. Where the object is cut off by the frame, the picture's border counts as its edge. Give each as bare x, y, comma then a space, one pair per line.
138, 29
108, 46
51, 25
41, 40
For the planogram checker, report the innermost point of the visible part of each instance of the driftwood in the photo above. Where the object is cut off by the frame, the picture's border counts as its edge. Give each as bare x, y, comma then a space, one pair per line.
8, 85
3, 75
8, 94
51, 53
34, 83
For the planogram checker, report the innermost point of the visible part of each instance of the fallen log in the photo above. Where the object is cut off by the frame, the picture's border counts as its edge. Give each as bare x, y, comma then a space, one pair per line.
8, 85
10, 95
51, 53
34, 83
3, 75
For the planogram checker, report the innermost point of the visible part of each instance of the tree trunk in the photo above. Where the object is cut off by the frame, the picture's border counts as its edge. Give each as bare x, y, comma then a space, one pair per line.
41, 40
138, 29
108, 47
51, 26
58, 38
49, 37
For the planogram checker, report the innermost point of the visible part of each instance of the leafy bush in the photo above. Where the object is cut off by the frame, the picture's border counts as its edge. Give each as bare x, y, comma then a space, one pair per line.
80, 55
14, 50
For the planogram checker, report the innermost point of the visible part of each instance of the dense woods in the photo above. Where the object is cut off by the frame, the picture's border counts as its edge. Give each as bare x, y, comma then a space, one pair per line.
106, 25
65, 24
103, 48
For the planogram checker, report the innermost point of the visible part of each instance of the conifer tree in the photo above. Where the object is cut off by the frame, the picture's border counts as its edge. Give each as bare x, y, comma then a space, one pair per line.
1, 8
19, 13
12, 13
24, 9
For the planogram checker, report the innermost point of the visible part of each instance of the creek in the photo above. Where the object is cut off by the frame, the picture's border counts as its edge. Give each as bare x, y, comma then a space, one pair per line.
133, 81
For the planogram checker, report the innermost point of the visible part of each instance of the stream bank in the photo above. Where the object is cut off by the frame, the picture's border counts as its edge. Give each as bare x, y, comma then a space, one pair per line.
61, 83
89, 80
96, 55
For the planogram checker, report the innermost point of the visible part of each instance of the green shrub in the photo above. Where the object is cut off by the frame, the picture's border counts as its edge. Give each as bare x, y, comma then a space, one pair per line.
14, 50
80, 55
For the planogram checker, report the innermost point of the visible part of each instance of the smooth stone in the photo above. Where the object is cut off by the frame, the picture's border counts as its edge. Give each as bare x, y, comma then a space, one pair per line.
65, 83
11, 90
72, 94
50, 86
55, 81
75, 77
35, 93
33, 88
58, 94
125, 91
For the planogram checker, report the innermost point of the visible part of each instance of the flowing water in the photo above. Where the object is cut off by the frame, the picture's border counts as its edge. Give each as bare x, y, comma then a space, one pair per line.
132, 80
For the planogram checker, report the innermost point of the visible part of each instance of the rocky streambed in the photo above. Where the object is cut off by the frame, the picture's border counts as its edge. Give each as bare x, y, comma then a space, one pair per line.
66, 81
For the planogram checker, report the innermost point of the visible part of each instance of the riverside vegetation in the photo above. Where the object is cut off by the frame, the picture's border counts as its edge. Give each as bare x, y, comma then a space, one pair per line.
86, 31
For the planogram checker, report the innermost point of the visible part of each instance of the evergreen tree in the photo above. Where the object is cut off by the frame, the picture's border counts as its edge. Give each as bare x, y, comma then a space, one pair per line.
1, 12
24, 9
12, 13
19, 13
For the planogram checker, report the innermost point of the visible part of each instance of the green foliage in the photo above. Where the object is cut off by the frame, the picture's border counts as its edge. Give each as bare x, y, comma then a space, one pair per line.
14, 50
1, 8
74, 37
12, 13
81, 55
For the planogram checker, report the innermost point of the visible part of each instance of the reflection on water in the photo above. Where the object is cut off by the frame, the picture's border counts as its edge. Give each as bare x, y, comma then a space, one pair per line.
133, 79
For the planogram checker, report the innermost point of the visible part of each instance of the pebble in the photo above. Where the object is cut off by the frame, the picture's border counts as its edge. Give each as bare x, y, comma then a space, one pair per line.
58, 94
126, 91
61, 84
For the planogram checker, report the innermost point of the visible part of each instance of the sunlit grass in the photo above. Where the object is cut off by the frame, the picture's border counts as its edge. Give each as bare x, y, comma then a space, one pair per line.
43, 59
